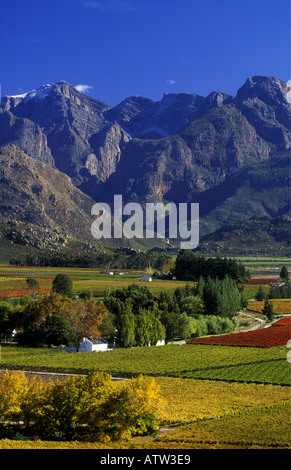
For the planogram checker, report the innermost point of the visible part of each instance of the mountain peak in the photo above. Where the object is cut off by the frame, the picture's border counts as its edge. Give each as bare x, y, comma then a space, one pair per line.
43, 91
259, 86
37, 93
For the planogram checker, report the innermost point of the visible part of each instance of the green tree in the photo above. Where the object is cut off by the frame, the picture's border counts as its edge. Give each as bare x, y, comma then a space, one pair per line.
268, 310
210, 296
157, 329
107, 328
32, 336
143, 327
192, 305
85, 295
58, 331
126, 326
5, 320
284, 274
62, 284
212, 325
200, 287
186, 326
229, 298
171, 319
221, 298
260, 295
200, 327
189, 266
32, 284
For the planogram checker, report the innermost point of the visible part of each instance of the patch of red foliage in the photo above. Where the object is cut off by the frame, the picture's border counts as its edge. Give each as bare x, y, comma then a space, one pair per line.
277, 335
9, 293
285, 321
263, 280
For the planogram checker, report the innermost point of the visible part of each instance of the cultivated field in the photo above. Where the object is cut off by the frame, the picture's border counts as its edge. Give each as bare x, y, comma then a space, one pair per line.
96, 281
13, 284
218, 395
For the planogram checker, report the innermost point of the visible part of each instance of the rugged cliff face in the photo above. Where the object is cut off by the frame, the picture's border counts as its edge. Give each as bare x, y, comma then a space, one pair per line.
199, 157
27, 134
31, 191
108, 145
182, 148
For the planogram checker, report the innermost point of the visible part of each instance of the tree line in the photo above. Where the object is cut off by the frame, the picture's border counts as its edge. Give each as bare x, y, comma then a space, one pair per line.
275, 292
53, 319
120, 259
142, 319
282, 291
127, 317
189, 267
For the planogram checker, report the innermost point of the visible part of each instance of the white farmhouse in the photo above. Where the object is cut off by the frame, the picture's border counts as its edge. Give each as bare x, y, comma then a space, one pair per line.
88, 345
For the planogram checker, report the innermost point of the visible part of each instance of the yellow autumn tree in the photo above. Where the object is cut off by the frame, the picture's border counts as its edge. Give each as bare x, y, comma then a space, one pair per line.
168, 266
13, 386
66, 407
18, 397
135, 409
87, 408
149, 271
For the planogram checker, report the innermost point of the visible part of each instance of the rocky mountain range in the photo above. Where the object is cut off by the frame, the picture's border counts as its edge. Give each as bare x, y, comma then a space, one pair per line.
229, 153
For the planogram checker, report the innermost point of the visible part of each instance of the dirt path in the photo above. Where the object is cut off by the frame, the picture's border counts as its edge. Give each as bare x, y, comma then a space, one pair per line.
261, 321
55, 375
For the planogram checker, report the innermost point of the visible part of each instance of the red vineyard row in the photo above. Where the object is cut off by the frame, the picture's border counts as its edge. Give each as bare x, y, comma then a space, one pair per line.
9, 293
286, 321
263, 280
276, 335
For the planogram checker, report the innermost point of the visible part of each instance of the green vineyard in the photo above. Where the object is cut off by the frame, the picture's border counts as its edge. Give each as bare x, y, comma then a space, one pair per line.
268, 365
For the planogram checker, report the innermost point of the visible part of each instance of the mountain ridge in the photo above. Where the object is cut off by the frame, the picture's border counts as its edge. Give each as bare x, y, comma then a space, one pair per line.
183, 148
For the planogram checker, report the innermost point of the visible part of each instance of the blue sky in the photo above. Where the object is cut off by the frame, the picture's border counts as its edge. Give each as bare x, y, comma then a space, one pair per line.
119, 48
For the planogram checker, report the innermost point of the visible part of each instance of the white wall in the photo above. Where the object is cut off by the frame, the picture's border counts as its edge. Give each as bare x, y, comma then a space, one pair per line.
87, 346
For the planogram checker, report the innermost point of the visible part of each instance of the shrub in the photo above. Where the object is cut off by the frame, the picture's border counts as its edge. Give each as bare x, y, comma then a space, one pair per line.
212, 325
